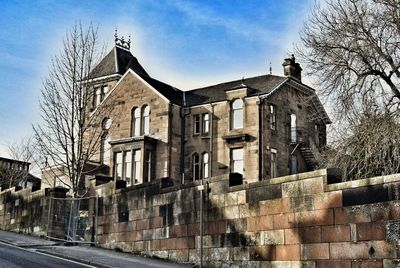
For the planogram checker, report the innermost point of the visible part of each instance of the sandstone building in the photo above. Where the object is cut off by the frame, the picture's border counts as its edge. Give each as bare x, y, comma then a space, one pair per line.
253, 128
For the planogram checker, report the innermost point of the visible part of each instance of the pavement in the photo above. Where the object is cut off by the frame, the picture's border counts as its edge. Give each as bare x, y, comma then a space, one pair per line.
93, 256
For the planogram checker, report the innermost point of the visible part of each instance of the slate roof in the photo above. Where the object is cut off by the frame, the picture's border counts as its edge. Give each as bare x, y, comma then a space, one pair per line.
173, 94
117, 61
263, 84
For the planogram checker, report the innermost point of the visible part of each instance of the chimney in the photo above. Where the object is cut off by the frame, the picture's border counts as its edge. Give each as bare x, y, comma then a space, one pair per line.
291, 68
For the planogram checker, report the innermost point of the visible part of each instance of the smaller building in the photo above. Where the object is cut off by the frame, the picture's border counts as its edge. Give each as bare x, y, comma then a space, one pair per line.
15, 173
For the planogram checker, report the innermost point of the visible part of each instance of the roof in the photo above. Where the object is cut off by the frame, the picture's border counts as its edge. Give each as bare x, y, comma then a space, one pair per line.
173, 94
259, 85
117, 61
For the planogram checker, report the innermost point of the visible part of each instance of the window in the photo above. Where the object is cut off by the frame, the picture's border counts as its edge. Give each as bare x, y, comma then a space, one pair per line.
206, 123
274, 155
118, 165
146, 119
237, 160
99, 95
293, 166
147, 172
316, 133
237, 114
293, 128
137, 155
97, 92
128, 166
196, 124
196, 166
272, 117
135, 128
205, 166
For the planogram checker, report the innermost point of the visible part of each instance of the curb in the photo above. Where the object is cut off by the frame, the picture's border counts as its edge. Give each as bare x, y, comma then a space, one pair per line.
74, 259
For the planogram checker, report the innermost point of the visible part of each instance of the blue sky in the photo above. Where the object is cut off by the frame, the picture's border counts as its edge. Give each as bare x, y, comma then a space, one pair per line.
187, 44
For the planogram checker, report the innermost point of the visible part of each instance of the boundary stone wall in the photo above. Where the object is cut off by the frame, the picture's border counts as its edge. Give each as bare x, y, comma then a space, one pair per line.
292, 221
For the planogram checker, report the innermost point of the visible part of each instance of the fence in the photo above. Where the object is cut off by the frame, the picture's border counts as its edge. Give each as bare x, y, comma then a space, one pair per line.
73, 219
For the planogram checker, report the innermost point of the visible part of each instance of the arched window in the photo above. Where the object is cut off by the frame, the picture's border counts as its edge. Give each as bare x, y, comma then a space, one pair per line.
135, 128
205, 165
146, 119
196, 166
237, 114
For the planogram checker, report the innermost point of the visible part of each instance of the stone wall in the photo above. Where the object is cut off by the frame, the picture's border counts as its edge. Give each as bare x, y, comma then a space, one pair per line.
293, 221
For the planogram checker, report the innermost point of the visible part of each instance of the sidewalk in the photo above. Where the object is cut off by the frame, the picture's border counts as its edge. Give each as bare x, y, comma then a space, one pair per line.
84, 254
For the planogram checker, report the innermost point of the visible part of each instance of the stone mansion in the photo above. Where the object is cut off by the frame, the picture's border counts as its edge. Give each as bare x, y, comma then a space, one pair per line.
256, 128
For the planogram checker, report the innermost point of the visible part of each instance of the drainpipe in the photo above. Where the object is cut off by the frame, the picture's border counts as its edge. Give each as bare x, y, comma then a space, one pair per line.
260, 138
211, 139
169, 139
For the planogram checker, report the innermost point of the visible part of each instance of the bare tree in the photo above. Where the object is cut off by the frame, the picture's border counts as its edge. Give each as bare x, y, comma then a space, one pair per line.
70, 134
352, 47
371, 147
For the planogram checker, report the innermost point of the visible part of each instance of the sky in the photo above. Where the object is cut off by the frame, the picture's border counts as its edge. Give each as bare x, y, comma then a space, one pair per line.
187, 44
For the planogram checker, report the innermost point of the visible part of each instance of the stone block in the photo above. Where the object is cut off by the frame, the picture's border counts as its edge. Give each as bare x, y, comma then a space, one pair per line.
371, 231
303, 235
262, 253
316, 251
287, 252
367, 264
394, 263
231, 212
328, 200
275, 206
315, 217
336, 233
272, 237
180, 256
354, 214
178, 230
260, 223
349, 251
185, 242
241, 254
284, 221
332, 264
382, 250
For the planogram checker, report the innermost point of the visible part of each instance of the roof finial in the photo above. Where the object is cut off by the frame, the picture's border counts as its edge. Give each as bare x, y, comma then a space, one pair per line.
120, 42
243, 85
270, 68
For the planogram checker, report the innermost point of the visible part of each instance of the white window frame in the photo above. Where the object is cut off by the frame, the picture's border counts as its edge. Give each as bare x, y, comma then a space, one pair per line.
237, 114
237, 160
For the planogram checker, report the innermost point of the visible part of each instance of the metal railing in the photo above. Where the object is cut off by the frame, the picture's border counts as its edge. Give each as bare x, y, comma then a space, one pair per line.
73, 219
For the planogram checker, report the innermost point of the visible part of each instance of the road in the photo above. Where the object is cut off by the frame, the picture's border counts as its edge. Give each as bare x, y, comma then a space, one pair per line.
15, 257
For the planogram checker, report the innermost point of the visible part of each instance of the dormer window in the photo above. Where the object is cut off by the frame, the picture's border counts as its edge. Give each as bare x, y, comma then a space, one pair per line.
237, 114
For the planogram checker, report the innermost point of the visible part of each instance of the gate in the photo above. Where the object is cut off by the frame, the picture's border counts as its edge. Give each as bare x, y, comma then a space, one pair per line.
73, 219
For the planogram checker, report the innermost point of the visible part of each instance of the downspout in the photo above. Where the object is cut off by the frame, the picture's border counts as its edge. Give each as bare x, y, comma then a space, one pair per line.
260, 139
211, 138
169, 139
